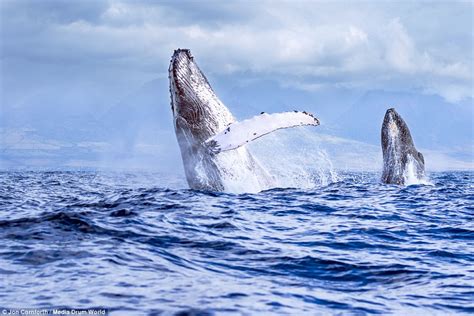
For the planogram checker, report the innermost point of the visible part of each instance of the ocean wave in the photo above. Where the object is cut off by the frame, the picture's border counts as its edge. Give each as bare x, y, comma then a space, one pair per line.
85, 239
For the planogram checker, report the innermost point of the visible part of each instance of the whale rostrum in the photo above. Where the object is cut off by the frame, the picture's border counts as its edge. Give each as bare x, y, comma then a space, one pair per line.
400, 157
211, 141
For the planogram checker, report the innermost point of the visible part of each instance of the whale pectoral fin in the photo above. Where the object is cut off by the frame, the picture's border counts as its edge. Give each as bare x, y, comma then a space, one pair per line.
241, 133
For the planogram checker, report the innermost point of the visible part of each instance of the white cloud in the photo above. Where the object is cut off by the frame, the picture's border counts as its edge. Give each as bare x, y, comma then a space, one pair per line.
308, 44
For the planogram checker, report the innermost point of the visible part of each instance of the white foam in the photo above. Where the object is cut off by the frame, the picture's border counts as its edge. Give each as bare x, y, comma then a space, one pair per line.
410, 175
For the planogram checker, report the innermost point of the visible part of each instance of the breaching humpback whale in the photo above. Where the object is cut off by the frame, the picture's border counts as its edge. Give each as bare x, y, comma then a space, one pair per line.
210, 139
400, 157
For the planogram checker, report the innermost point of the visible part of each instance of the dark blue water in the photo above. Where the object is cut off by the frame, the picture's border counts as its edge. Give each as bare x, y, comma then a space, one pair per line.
129, 243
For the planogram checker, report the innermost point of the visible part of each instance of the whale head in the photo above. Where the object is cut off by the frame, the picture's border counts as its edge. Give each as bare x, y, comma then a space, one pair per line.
395, 131
398, 149
198, 113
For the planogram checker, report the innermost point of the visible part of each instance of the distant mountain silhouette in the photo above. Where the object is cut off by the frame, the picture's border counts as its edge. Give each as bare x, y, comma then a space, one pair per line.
433, 122
138, 130
140, 115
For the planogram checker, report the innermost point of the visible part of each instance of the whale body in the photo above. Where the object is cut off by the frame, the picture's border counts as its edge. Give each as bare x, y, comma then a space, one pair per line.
211, 141
401, 160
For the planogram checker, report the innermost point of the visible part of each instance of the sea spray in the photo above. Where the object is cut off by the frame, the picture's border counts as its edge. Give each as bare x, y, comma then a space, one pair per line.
411, 176
295, 159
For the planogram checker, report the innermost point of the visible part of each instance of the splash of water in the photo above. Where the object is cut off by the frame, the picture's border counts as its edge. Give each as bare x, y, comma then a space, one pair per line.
295, 159
411, 176
326, 171
248, 180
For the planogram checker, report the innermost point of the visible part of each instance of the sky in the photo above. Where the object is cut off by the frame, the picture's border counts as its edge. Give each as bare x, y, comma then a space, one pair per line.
69, 68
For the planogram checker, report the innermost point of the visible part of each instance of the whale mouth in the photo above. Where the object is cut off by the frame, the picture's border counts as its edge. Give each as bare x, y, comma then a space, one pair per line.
179, 51
178, 60
186, 84
393, 122
193, 100
391, 115
179, 55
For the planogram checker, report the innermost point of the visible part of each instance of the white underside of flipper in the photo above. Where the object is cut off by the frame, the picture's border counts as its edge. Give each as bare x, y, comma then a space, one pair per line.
240, 133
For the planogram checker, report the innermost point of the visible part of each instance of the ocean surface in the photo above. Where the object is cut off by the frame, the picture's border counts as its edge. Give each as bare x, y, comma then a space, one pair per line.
141, 243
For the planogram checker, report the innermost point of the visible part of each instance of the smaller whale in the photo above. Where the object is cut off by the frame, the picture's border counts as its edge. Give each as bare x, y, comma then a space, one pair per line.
401, 160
